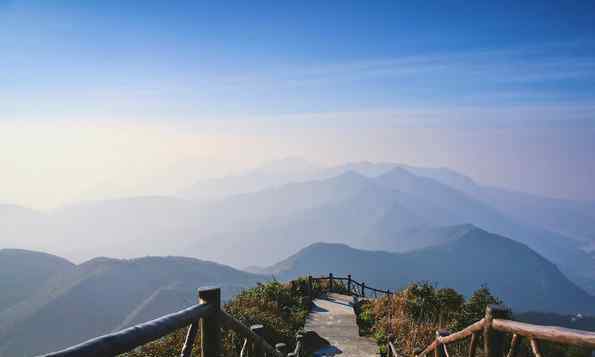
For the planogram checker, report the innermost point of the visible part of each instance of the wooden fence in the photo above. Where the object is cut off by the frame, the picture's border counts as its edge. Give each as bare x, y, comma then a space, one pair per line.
493, 328
207, 314
211, 318
347, 285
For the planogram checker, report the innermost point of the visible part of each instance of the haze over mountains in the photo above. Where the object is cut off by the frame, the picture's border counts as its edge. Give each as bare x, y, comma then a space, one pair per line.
96, 297
385, 223
106, 294
469, 258
286, 205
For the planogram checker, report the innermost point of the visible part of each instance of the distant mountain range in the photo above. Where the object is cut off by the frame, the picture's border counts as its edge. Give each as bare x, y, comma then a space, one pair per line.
471, 258
105, 294
272, 211
393, 211
52, 303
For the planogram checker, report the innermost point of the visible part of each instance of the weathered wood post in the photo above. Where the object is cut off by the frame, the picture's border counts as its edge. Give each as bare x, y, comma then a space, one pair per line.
310, 290
246, 346
210, 328
389, 350
363, 289
330, 282
514, 346
299, 344
349, 283
189, 342
493, 340
440, 350
473, 344
257, 348
281, 348
535, 347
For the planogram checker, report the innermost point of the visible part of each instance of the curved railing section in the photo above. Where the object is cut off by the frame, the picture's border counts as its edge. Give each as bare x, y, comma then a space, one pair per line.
347, 285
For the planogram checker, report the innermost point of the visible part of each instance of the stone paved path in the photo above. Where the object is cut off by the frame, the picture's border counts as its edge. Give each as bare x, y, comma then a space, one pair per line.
333, 319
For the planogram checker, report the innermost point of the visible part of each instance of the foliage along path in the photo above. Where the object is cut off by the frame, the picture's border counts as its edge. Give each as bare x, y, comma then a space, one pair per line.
333, 319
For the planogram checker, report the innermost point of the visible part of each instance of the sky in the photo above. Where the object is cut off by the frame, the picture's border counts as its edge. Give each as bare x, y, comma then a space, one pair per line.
110, 98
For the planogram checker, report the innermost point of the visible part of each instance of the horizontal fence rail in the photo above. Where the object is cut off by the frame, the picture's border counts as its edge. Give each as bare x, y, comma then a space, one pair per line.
133, 337
493, 328
252, 339
206, 317
352, 287
547, 333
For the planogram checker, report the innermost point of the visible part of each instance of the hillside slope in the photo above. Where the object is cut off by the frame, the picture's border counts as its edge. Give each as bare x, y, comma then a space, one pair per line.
103, 295
524, 279
22, 272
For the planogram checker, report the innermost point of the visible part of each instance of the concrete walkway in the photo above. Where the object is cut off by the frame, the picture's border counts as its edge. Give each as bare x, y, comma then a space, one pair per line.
333, 319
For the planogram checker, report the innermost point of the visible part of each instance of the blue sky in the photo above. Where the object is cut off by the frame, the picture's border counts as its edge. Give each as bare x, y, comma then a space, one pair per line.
326, 80
148, 59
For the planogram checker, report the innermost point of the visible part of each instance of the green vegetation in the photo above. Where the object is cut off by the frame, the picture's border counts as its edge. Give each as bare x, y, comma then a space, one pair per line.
411, 317
281, 308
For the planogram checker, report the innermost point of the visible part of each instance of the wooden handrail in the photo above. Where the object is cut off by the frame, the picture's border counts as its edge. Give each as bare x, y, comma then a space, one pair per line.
493, 327
232, 323
351, 284
133, 337
212, 318
208, 313
464, 333
547, 333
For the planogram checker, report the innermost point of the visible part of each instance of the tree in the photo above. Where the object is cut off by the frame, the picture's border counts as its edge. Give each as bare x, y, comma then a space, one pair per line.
475, 307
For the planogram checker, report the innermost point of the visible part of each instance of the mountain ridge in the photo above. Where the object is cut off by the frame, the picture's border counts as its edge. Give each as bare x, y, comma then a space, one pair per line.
523, 278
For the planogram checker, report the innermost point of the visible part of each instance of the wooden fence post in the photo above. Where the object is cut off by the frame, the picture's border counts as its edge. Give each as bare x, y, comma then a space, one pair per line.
493, 340
514, 345
189, 342
535, 347
363, 289
210, 328
473, 344
349, 283
299, 343
330, 284
310, 286
246, 346
257, 348
440, 350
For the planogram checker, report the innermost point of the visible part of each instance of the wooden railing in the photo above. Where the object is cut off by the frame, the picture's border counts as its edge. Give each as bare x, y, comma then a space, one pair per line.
493, 328
207, 315
351, 287
208, 318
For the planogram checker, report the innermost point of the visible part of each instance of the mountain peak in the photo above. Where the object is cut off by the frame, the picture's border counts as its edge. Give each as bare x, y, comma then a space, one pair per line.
349, 178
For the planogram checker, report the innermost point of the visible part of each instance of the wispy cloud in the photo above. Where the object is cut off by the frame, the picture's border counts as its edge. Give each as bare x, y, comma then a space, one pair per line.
515, 65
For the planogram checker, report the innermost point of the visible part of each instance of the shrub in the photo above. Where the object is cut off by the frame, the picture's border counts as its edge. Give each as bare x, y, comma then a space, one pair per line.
412, 316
